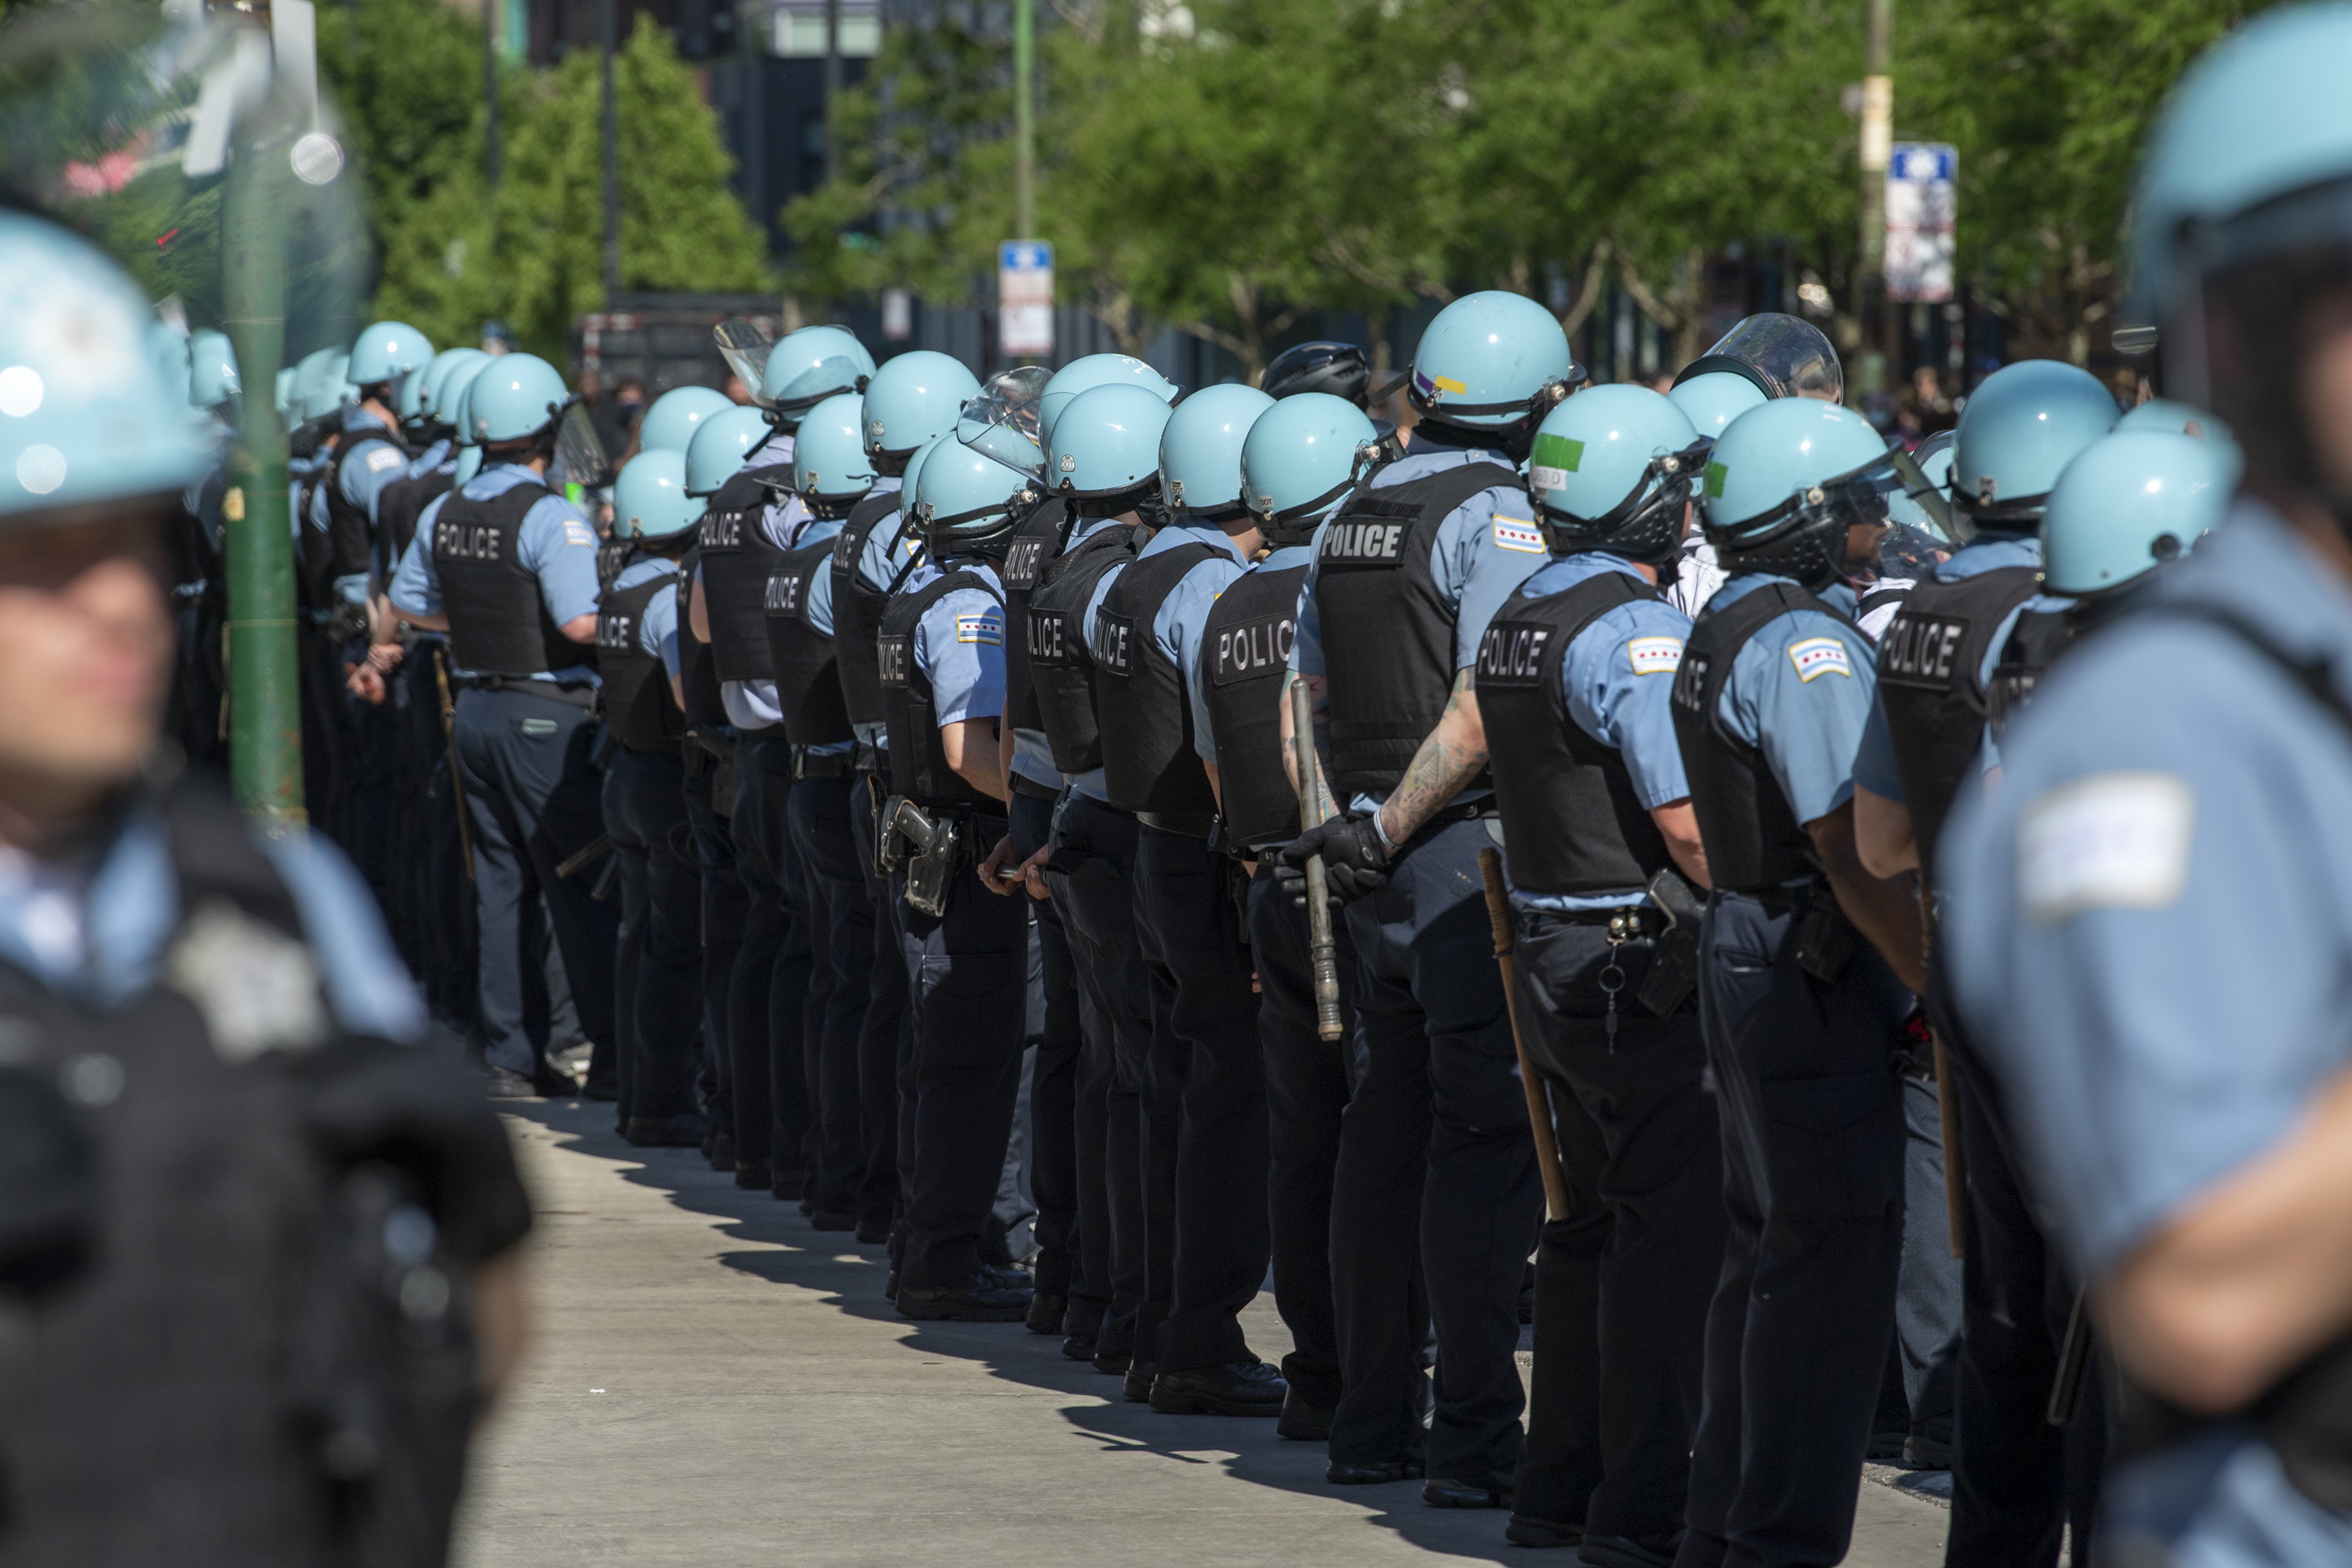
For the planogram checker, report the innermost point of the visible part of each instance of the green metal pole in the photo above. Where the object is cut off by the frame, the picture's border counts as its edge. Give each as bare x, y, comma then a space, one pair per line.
265, 697
1024, 172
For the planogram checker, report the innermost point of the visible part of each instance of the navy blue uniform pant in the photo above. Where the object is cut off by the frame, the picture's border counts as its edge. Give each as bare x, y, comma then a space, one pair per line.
1798, 1335
725, 910
1623, 1279
841, 946
768, 998
1427, 979
657, 975
533, 798
887, 1029
1054, 1080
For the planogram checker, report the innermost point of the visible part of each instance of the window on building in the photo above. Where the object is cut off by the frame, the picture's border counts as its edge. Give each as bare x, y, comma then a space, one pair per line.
798, 31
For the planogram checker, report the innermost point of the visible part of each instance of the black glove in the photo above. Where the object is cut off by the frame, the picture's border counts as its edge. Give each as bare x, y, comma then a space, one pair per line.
348, 623
1355, 860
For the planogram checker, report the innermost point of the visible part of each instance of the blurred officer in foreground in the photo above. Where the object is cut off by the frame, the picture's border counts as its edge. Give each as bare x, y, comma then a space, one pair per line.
2147, 933
303, 1284
1574, 680
508, 568
1799, 1013
1407, 574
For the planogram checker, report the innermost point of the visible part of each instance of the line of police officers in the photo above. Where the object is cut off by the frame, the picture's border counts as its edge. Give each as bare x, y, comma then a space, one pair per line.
928, 723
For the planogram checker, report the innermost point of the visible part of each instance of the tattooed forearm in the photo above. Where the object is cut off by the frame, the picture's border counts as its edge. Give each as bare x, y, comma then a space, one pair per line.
1321, 708
1449, 758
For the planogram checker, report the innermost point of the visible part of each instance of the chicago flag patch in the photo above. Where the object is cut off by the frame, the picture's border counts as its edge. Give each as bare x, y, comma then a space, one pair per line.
1819, 656
1518, 533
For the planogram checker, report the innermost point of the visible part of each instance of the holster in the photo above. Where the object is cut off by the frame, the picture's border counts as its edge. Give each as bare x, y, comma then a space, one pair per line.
1673, 954
930, 847
1825, 937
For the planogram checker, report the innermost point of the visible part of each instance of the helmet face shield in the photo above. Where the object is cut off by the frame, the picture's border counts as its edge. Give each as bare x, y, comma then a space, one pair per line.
745, 348
1002, 420
1784, 357
580, 457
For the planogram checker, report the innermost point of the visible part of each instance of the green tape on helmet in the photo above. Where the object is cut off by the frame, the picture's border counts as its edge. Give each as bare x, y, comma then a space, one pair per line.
1554, 459
1716, 474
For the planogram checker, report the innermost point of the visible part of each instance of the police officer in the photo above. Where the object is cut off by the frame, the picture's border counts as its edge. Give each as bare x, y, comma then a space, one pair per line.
1800, 1016
1300, 458
1403, 581
2167, 824
508, 568
168, 966
1574, 680
1103, 458
433, 436
1068, 1265
1205, 1186
830, 474
200, 589
1334, 369
941, 662
659, 981
913, 402
1917, 756
319, 393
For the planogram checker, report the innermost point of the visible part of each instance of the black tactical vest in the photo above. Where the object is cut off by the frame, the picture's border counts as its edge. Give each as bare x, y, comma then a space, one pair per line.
697, 669
314, 559
1053, 637
402, 501
1034, 544
737, 560
808, 684
1754, 842
1572, 820
2038, 638
857, 609
1927, 665
499, 623
611, 560
918, 758
1387, 633
637, 703
1149, 762
247, 1376
1244, 653
351, 538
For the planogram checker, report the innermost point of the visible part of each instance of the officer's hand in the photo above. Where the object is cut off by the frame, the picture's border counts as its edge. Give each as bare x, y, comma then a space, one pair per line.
1355, 861
997, 858
1032, 872
385, 657
365, 683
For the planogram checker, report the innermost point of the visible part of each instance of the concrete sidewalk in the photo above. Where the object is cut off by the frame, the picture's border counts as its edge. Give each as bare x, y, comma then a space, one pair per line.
716, 1384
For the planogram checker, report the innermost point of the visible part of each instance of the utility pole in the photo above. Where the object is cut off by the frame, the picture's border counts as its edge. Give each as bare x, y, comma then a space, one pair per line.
1877, 139
607, 15
490, 83
831, 86
1025, 152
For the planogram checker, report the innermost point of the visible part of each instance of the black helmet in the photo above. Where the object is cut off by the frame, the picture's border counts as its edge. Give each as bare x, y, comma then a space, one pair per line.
1335, 368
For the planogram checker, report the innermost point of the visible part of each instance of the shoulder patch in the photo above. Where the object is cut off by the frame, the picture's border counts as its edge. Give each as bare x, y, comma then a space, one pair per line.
2114, 841
578, 533
1655, 655
1819, 656
985, 627
384, 457
1518, 533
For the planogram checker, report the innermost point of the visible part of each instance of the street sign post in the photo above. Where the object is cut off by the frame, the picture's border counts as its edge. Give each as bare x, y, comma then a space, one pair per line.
1024, 299
1922, 202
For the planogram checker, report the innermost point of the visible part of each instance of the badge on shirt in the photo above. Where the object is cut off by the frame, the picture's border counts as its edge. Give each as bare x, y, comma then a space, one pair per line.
579, 533
985, 627
1819, 656
384, 457
1518, 533
1655, 655
2110, 841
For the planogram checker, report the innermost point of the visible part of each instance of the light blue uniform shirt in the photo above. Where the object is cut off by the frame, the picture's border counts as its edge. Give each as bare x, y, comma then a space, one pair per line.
432, 458
885, 555
555, 544
95, 931
658, 627
2150, 925
1621, 701
376, 459
1485, 548
959, 645
1874, 762
1204, 731
1801, 701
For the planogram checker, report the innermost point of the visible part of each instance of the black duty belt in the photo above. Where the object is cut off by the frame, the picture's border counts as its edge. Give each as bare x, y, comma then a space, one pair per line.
1639, 919
575, 696
1022, 784
1183, 824
808, 764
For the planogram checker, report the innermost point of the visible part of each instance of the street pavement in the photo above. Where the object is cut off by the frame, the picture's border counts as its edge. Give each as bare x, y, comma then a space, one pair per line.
713, 1383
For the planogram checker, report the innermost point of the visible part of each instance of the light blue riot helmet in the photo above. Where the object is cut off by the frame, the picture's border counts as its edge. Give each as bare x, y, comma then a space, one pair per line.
169, 349
807, 366
1090, 370
1104, 452
1611, 469
719, 445
907, 480
1490, 367
86, 416
1785, 483
1714, 398
1300, 459
1200, 450
2128, 503
2164, 414
282, 393
671, 419
427, 387
649, 498
212, 368
1905, 507
830, 468
2022, 424
1779, 355
386, 352
968, 503
330, 389
469, 463
1002, 420
912, 398
513, 398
